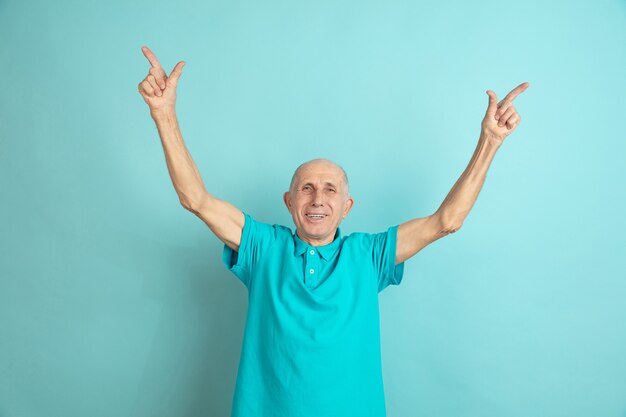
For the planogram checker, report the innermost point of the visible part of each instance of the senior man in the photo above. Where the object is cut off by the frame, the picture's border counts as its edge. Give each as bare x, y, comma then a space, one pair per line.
312, 342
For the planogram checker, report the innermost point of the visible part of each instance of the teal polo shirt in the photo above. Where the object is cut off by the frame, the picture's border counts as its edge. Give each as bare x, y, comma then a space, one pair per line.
311, 345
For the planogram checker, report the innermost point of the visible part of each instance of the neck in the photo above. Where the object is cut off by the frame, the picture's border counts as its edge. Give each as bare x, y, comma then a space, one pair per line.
317, 242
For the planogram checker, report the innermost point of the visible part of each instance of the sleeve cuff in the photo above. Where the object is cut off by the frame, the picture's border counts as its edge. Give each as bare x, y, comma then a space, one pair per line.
236, 261
396, 272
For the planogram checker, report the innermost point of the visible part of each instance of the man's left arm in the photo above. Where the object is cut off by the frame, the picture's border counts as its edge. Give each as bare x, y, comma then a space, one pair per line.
500, 120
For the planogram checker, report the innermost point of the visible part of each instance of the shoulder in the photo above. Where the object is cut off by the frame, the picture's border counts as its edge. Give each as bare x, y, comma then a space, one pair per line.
359, 239
268, 230
370, 236
365, 240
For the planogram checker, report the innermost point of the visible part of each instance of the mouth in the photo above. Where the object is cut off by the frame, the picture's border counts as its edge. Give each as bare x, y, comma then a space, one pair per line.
316, 217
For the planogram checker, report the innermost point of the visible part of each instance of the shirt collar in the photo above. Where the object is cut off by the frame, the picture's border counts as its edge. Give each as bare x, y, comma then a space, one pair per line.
326, 251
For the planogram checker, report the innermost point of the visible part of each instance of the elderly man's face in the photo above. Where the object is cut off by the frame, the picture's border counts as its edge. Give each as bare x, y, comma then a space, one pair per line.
318, 202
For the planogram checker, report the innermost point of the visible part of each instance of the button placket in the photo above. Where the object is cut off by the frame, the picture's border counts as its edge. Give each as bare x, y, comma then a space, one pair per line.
311, 267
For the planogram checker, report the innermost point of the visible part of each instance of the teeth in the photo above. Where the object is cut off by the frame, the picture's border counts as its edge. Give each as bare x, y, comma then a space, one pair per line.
317, 216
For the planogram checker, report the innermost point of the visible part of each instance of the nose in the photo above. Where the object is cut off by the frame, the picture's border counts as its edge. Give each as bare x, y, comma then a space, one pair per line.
318, 198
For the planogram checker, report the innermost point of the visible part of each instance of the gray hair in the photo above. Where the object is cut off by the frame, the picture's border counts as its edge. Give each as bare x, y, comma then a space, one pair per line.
297, 172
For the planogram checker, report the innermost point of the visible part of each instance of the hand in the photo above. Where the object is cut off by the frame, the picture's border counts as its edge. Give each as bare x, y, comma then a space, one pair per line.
502, 118
158, 90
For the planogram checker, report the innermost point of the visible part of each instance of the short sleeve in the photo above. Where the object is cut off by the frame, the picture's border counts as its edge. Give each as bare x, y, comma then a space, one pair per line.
256, 238
384, 258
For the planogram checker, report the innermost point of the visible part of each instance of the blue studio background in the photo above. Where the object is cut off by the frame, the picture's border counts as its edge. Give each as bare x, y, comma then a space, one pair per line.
113, 298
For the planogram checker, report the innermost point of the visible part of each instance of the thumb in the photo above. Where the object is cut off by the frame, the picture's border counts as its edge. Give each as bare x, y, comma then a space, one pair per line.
492, 106
176, 72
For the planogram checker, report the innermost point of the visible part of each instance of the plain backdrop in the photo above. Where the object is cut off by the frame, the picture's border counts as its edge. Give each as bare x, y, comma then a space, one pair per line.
113, 298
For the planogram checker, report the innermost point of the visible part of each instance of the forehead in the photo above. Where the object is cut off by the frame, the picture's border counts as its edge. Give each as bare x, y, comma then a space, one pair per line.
320, 172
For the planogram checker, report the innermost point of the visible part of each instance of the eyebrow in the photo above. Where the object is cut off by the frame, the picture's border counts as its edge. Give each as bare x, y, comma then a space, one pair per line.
326, 183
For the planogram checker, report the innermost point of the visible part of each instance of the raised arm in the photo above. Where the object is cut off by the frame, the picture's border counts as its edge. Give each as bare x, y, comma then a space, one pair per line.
500, 120
159, 92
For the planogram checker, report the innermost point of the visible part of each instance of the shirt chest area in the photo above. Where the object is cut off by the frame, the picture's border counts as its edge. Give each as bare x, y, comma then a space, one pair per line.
313, 271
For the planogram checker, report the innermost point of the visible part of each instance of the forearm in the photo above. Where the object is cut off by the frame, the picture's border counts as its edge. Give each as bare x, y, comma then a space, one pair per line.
461, 198
183, 171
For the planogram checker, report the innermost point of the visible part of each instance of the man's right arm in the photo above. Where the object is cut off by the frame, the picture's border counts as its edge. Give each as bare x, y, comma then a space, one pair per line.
159, 92
225, 220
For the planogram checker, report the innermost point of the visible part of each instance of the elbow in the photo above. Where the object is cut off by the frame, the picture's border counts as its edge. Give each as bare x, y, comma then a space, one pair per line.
185, 203
191, 204
448, 226
446, 230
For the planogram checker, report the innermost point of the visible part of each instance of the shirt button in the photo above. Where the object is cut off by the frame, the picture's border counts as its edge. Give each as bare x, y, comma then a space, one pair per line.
311, 271
312, 252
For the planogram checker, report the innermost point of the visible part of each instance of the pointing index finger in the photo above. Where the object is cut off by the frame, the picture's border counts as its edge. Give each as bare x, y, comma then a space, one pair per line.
151, 57
515, 92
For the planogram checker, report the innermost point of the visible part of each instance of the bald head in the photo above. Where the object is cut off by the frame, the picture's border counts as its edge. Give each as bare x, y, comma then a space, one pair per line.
318, 161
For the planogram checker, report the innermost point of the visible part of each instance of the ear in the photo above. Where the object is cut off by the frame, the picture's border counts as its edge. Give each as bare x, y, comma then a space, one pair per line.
349, 204
287, 200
